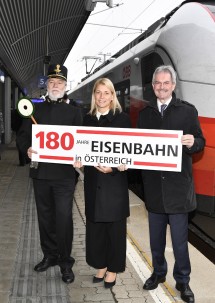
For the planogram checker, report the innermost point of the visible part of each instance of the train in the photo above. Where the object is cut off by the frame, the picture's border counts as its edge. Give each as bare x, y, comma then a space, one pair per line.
185, 39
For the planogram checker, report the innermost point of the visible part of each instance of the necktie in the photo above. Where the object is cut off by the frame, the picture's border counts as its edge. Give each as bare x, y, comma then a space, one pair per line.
163, 107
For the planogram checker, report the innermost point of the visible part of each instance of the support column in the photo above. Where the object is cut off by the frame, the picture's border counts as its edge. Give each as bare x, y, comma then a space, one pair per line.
7, 110
15, 96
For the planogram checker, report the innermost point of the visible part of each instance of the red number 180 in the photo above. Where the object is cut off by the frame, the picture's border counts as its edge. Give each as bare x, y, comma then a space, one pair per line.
53, 140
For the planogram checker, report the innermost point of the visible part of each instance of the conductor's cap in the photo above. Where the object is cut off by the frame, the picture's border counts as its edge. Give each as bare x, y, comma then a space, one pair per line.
57, 71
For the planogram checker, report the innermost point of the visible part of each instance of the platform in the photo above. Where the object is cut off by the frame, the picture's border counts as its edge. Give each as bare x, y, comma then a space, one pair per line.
20, 251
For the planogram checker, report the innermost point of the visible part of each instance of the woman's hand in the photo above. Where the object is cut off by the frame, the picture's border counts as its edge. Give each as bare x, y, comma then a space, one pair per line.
30, 151
122, 167
77, 164
104, 169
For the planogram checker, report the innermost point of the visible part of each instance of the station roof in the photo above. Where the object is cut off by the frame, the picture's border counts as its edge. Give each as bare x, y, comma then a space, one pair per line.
33, 30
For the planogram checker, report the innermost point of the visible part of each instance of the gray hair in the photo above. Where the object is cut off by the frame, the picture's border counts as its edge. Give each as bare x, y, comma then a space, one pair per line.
166, 69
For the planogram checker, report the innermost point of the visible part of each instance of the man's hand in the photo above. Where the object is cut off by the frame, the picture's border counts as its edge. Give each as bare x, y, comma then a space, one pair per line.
30, 152
187, 140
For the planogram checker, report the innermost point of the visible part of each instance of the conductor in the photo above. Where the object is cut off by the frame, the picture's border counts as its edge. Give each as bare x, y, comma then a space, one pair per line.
53, 183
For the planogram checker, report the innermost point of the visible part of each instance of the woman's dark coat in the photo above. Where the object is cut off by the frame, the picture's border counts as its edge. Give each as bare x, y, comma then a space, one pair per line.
166, 191
106, 195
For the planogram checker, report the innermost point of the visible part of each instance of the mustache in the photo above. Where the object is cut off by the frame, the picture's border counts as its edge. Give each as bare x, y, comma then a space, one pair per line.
163, 90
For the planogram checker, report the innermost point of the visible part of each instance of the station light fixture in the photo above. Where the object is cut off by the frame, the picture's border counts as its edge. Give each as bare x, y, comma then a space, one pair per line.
90, 4
47, 59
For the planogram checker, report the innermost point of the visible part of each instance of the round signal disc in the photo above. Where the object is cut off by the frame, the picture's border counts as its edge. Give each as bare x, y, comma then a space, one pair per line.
25, 107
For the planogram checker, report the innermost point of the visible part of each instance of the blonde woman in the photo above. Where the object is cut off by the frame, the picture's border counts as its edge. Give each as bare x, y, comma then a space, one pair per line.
106, 193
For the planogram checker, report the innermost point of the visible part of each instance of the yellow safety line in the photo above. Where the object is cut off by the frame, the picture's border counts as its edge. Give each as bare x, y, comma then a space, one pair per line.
149, 263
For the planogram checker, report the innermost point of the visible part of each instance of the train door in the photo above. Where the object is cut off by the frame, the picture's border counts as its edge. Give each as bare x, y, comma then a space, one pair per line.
134, 175
148, 65
123, 94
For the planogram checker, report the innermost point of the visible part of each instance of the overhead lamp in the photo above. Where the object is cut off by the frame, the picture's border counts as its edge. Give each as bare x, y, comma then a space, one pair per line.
47, 59
90, 4
109, 3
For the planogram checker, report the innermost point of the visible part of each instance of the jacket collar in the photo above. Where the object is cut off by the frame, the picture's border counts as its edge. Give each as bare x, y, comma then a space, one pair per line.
110, 116
173, 102
59, 100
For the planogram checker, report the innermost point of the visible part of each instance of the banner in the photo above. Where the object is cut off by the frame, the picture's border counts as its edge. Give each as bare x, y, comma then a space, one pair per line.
136, 148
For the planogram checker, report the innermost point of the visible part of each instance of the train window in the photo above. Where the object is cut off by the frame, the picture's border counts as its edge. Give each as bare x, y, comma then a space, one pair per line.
123, 94
148, 65
211, 8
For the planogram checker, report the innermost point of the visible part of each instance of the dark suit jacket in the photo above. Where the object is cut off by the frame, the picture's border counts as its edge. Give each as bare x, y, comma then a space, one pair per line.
52, 114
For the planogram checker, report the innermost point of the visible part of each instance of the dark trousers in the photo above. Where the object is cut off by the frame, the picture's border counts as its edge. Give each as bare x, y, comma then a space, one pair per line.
179, 235
54, 201
23, 157
106, 245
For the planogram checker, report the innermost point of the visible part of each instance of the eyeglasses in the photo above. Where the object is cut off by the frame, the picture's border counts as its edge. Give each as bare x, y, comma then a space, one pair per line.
166, 83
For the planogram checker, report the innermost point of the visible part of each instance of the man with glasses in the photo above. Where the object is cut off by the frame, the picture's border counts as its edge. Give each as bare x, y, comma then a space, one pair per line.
170, 196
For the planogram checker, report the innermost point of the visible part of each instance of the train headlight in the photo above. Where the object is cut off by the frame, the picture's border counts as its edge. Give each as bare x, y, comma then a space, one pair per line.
136, 60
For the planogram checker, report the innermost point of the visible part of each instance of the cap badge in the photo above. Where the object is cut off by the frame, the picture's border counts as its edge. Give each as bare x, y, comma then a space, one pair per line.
57, 70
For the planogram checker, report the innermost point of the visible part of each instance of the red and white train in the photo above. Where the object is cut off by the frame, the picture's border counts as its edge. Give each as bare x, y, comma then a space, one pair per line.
185, 39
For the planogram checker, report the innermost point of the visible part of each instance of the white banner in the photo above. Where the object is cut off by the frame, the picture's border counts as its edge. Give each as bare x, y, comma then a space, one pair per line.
137, 148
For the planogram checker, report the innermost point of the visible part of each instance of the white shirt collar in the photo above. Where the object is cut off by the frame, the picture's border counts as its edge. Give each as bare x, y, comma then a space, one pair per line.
98, 114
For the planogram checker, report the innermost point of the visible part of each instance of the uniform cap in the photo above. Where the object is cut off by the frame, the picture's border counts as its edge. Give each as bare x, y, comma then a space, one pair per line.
57, 71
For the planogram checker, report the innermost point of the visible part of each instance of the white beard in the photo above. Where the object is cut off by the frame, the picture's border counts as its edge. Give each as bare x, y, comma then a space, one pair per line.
54, 97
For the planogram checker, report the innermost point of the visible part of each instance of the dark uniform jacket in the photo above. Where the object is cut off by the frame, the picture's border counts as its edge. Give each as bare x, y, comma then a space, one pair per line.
106, 195
52, 113
16, 120
165, 191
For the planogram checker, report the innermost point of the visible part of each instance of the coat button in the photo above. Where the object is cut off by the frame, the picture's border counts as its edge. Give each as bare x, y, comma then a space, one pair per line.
99, 187
163, 178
